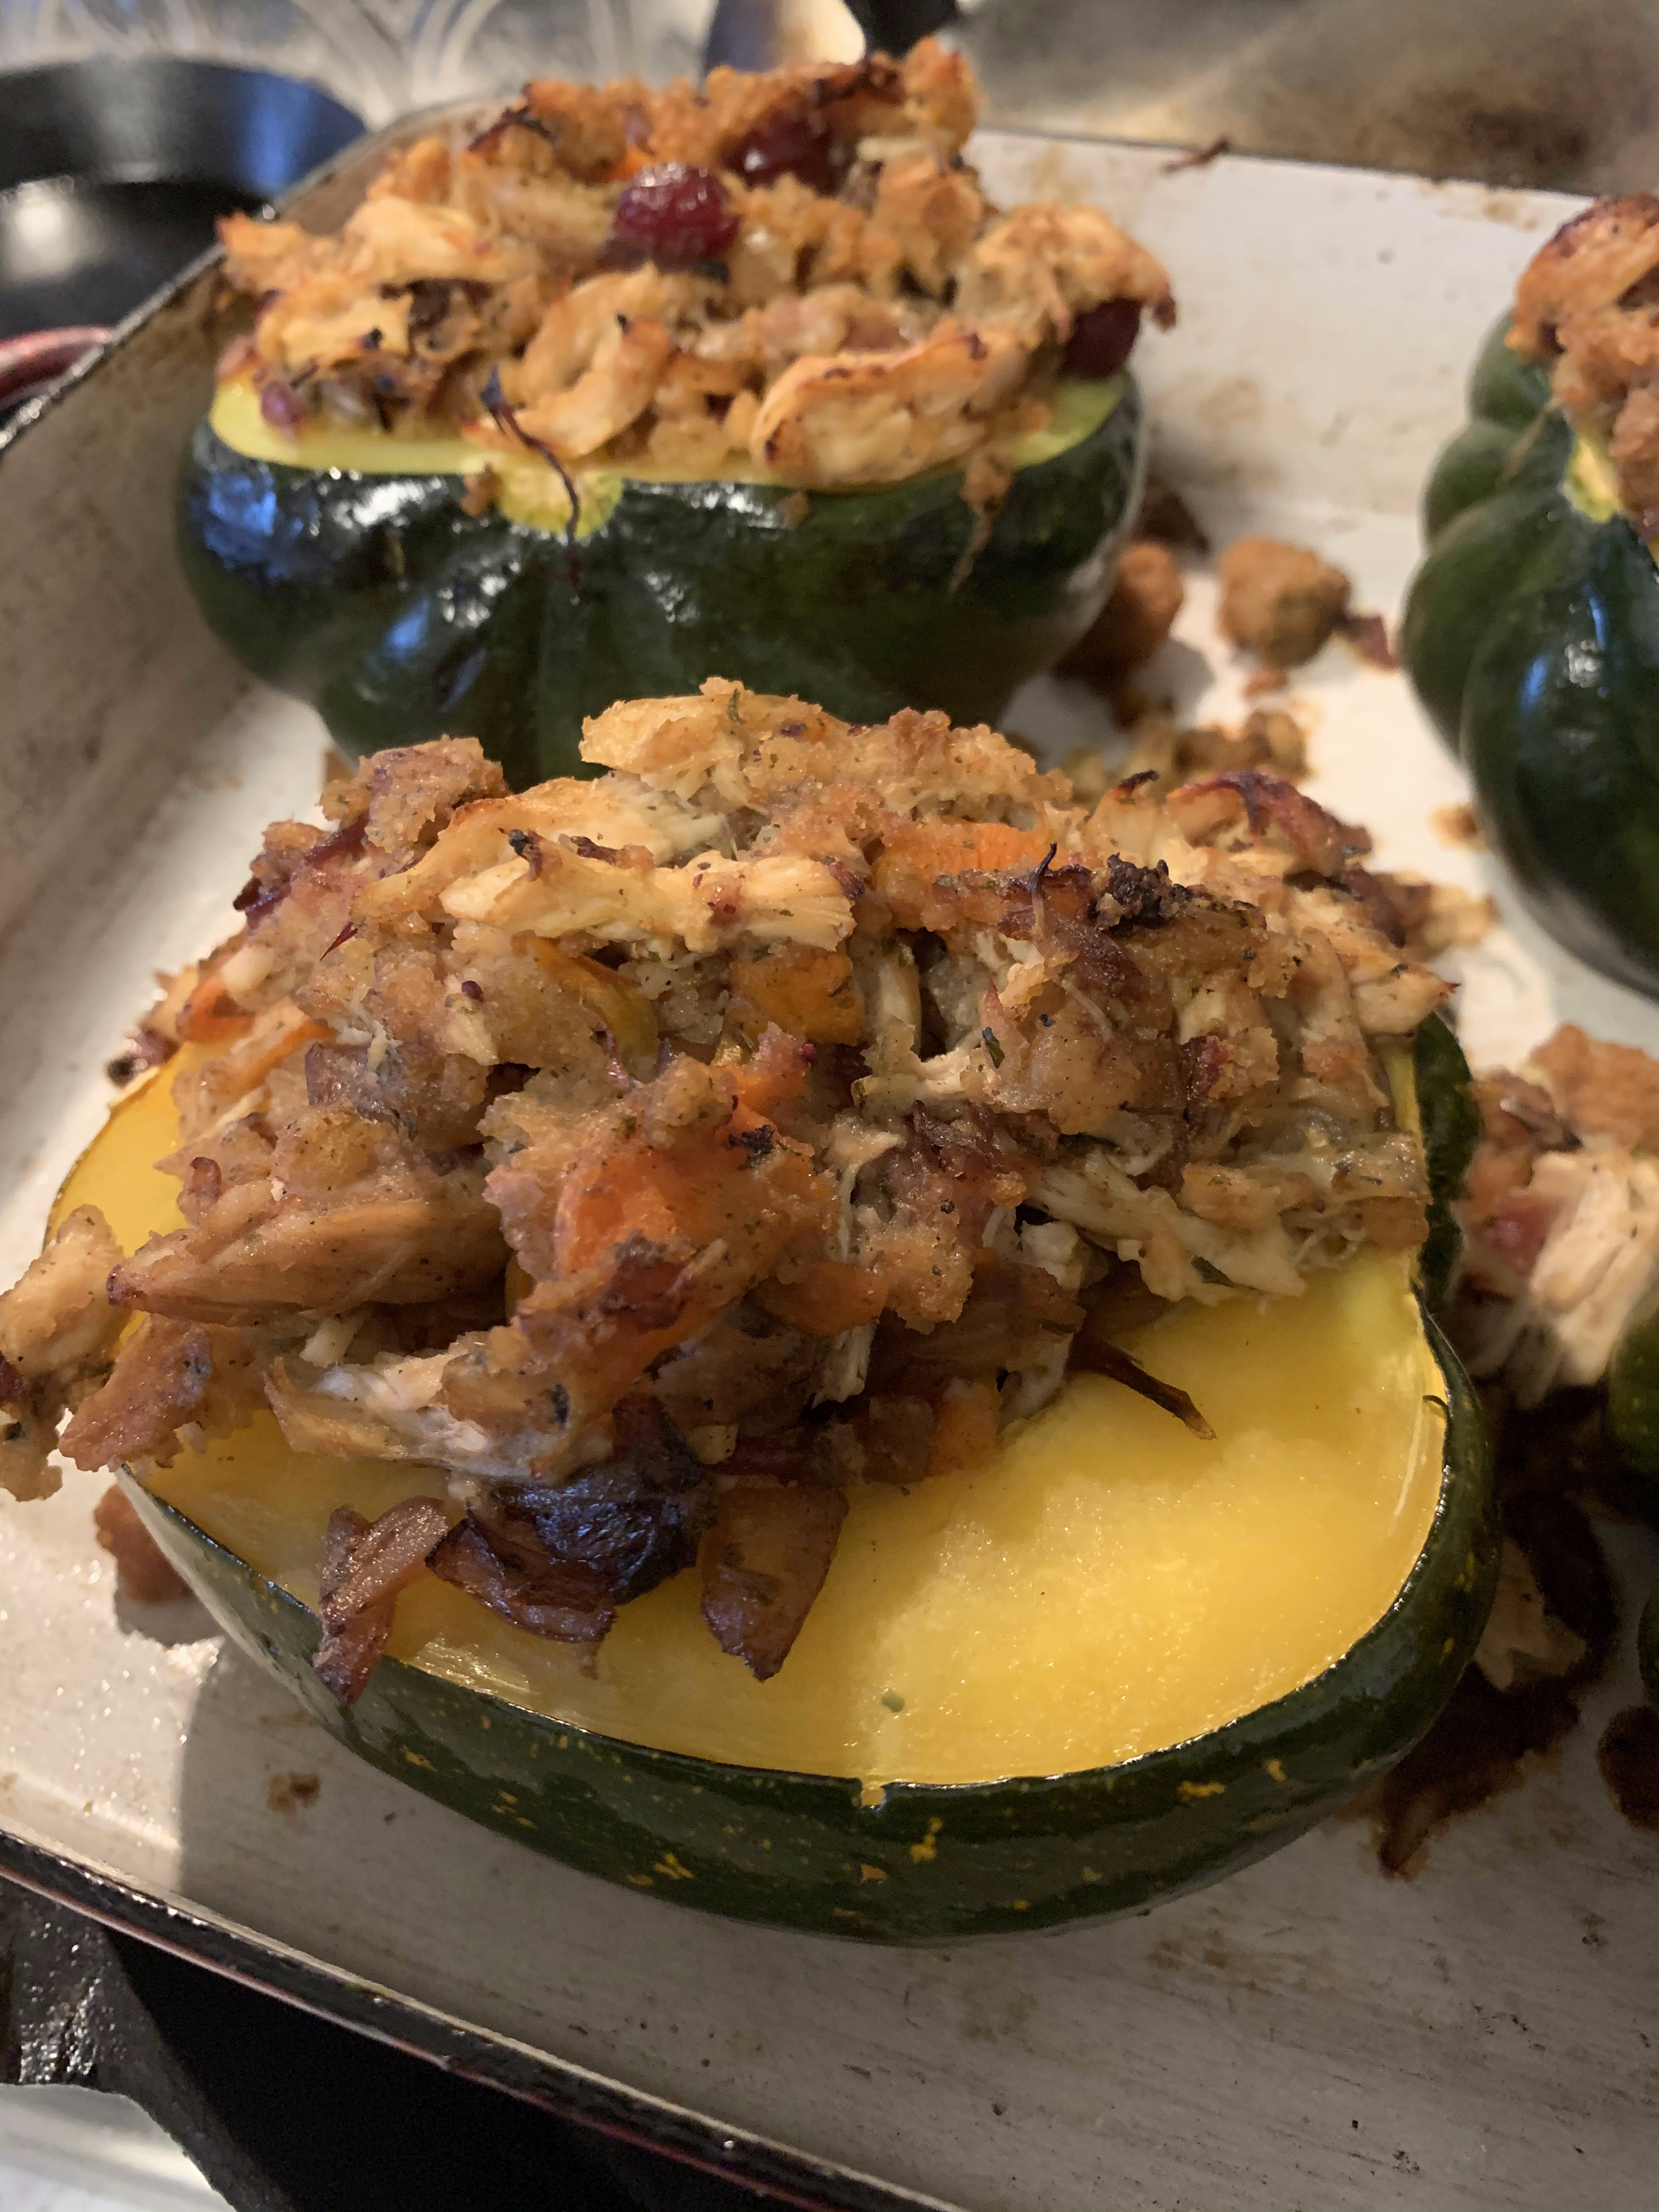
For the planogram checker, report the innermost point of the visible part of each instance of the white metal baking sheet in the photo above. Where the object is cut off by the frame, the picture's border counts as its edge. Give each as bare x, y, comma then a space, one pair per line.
1307, 2035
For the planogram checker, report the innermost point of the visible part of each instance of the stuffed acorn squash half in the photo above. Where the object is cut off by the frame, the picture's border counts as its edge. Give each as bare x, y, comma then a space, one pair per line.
805, 1325
1532, 629
640, 387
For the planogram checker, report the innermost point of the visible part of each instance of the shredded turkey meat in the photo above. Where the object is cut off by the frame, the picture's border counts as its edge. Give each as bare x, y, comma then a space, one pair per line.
1584, 308
655, 1159
1559, 1213
793, 272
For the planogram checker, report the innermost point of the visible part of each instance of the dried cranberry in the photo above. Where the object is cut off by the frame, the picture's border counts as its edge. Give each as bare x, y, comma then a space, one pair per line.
674, 215
790, 142
282, 407
1102, 338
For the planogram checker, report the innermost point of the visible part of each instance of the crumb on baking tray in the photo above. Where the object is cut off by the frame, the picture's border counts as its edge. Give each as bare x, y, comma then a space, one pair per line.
1261, 683
1167, 518
1279, 601
1367, 635
143, 1570
293, 1793
1135, 620
1456, 825
1198, 157
1628, 1758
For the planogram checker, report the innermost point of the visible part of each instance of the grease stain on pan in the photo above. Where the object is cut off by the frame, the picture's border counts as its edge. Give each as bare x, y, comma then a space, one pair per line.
291, 1794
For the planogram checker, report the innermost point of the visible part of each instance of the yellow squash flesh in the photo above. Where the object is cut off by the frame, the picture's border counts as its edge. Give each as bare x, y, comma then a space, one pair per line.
532, 491
1105, 1586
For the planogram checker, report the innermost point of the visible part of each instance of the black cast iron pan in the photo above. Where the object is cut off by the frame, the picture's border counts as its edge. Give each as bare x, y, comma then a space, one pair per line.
112, 171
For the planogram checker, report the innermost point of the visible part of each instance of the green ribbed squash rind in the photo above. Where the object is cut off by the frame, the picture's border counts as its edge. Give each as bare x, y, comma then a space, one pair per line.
1451, 1130
380, 601
1531, 633
1647, 1646
929, 1863
1632, 1387
1505, 396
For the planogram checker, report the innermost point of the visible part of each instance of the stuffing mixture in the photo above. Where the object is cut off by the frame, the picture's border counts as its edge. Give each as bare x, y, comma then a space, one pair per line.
1147, 596
794, 272
1559, 1213
1279, 601
655, 1158
1585, 307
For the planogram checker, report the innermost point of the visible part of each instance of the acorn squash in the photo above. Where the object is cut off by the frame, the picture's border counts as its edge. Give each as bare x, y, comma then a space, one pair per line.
346, 570
1111, 1663
1647, 1646
1632, 1394
1440, 1106
1531, 633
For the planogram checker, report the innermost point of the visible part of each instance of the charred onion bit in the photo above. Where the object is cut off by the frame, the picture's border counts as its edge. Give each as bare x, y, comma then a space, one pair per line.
365, 1565
676, 217
560, 1561
503, 1564
145, 1049
1110, 1359
767, 1560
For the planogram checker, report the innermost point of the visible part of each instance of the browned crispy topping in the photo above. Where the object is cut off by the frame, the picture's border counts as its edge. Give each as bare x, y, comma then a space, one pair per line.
796, 269
657, 1156
1145, 600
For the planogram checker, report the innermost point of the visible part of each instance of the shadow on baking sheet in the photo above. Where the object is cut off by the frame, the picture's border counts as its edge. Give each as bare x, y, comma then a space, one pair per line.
283, 1830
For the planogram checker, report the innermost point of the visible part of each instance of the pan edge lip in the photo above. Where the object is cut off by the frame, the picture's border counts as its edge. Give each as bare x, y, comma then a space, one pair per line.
68, 67
201, 83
